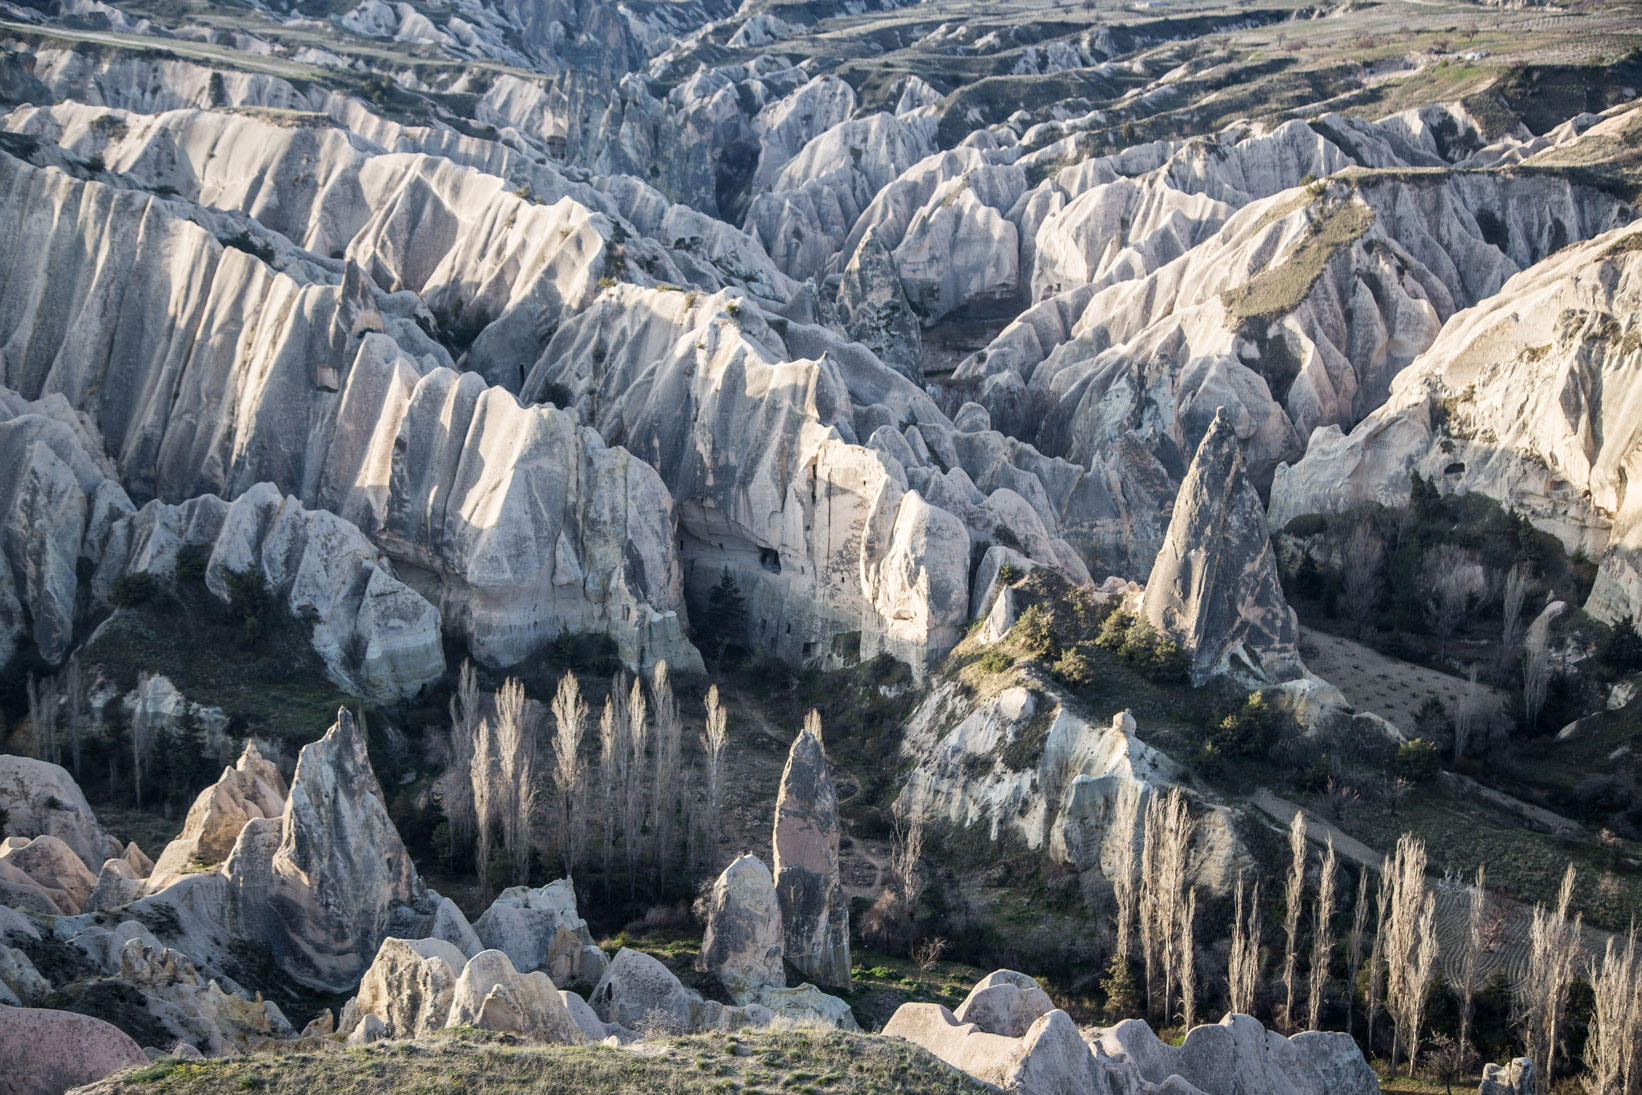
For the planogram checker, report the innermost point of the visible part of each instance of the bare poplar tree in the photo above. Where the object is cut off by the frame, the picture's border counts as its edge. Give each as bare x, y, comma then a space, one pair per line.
1451, 581
1363, 560
569, 770
1293, 894
714, 740
1611, 1047
1322, 939
1354, 942
1377, 954
1536, 673
78, 714
638, 740
1410, 946
1148, 898
906, 851
1123, 871
1164, 888
1188, 962
42, 697
623, 760
1542, 995
143, 729
669, 735
609, 742
1516, 592
1477, 905
456, 792
482, 779
1243, 966
1467, 714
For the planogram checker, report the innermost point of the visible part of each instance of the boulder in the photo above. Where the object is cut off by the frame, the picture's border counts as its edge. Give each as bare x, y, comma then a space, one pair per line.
54, 867
1238, 1055
540, 929
1004, 1002
252, 787
42, 799
1051, 1059
814, 909
492, 995
410, 986
1214, 587
44, 1052
1513, 1078
802, 1004
117, 884
744, 940
22, 983
640, 993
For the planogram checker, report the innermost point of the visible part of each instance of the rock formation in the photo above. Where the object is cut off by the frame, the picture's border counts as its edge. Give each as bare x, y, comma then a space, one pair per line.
540, 930
814, 910
1514, 1078
640, 993
42, 799
1214, 587
875, 310
252, 787
50, 865
1238, 1054
45, 1052
744, 941
1004, 1002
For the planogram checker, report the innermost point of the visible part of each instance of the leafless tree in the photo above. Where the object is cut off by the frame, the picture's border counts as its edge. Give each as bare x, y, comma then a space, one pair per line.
1477, 905
456, 789
569, 770
638, 740
812, 725
1322, 939
1188, 962
42, 694
1292, 895
714, 740
1340, 798
905, 852
609, 743
1377, 953
1467, 714
1123, 873
1516, 592
1451, 581
143, 729
1542, 995
1243, 965
1411, 946
1536, 673
1164, 891
1611, 1047
1362, 556
1148, 916
669, 738
1354, 942
483, 780
927, 954
78, 715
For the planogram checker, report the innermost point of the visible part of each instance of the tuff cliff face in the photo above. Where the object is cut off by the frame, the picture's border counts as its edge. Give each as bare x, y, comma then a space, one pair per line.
1214, 587
814, 910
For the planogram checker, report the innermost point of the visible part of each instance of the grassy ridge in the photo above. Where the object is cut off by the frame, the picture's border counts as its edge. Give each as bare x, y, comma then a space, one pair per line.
804, 1062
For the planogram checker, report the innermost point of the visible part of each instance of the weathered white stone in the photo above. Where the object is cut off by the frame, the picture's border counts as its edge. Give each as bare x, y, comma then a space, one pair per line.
814, 909
640, 993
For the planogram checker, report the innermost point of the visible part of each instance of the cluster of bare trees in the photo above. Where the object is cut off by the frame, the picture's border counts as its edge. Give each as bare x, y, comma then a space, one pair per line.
493, 784
59, 715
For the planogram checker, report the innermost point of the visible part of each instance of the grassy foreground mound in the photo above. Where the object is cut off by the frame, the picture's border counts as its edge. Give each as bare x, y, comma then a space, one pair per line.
800, 1062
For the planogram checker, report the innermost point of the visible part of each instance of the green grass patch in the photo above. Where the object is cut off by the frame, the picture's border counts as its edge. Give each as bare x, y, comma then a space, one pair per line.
1339, 221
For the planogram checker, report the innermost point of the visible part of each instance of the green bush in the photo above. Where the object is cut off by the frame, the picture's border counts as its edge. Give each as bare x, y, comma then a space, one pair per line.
133, 589
1033, 632
191, 564
1074, 669
251, 602
1248, 731
1621, 648
1416, 761
995, 660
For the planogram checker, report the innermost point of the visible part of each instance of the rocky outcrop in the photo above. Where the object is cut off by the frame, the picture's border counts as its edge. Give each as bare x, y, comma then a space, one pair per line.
1513, 1078
42, 799
339, 880
814, 909
640, 993
1238, 1055
418, 987
744, 940
1527, 399
1050, 1058
1004, 1002
252, 787
50, 865
45, 1052
539, 929
875, 309
1214, 588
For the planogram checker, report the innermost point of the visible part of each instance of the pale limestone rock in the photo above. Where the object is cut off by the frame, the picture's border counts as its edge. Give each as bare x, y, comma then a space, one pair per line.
1004, 1002
42, 799
20, 979
53, 866
744, 938
117, 884
539, 929
814, 909
640, 993
252, 787
1238, 1054
875, 310
1214, 588
1050, 1058
43, 1052
492, 995
1514, 1078
409, 986
802, 1004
